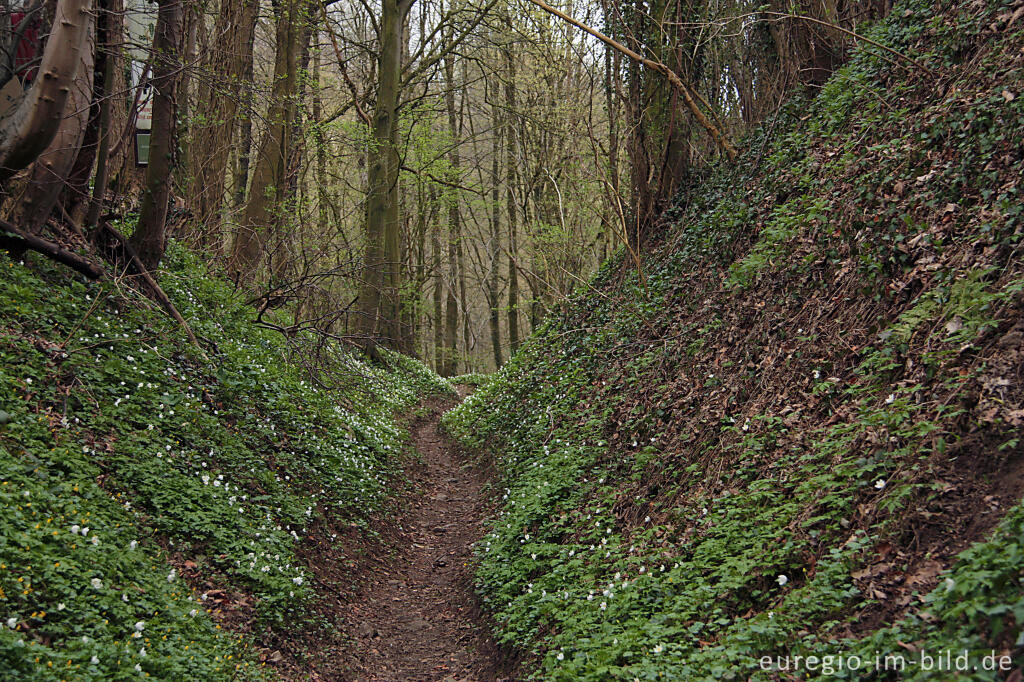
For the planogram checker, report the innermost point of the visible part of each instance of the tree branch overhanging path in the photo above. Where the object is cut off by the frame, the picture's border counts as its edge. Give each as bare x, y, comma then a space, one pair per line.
673, 78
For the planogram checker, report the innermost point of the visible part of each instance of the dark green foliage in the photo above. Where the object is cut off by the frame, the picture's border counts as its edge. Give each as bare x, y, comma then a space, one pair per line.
744, 454
129, 461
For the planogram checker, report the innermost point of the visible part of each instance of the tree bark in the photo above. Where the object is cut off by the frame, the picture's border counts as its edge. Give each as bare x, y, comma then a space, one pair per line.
493, 296
28, 130
451, 320
511, 178
243, 142
150, 238
228, 65
379, 304
50, 172
110, 34
262, 215
438, 319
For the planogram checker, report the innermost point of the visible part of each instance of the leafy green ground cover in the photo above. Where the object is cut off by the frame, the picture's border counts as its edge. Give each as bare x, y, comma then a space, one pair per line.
130, 468
798, 435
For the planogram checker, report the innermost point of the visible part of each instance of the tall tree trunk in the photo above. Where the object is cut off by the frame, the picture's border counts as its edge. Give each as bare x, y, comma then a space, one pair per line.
494, 247
382, 268
511, 178
51, 172
229, 65
460, 248
263, 215
110, 31
438, 321
613, 65
150, 238
244, 133
28, 130
322, 185
193, 23
451, 320
287, 238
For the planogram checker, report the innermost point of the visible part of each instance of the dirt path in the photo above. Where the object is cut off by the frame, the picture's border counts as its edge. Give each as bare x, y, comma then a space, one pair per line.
415, 617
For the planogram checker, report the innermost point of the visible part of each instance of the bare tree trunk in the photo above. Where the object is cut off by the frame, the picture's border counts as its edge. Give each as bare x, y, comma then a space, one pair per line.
244, 134
379, 294
51, 172
450, 364
110, 31
493, 298
150, 238
261, 216
28, 130
613, 66
511, 178
228, 66
438, 322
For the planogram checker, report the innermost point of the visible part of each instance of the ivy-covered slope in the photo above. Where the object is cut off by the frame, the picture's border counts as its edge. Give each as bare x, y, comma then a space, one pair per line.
797, 433
152, 500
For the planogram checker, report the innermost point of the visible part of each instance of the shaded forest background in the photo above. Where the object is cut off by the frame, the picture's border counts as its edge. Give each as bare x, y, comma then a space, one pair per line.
430, 176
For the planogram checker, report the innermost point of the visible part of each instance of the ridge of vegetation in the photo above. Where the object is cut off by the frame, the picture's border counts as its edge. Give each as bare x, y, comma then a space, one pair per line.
798, 433
157, 509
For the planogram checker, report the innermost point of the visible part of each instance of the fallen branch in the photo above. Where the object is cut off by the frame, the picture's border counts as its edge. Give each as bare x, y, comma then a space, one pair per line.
673, 78
16, 239
158, 293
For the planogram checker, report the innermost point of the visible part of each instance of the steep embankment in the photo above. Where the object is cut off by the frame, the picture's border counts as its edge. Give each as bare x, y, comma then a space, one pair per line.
798, 433
166, 515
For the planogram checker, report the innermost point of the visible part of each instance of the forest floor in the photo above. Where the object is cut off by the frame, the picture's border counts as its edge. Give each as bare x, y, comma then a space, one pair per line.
415, 617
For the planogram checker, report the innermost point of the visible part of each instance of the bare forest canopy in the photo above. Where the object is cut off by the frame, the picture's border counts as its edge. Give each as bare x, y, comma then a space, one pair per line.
432, 176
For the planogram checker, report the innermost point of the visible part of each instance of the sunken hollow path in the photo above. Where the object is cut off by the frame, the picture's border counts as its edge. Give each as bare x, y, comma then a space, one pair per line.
415, 617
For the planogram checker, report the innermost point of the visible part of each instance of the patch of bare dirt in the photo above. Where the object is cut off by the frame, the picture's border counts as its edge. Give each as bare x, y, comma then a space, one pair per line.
414, 617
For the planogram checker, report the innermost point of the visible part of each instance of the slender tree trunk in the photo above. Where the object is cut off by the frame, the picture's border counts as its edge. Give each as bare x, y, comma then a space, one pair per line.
262, 215
379, 294
511, 178
613, 64
110, 31
451, 320
244, 133
75, 194
229, 65
322, 183
493, 297
438, 321
150, 238
460, 247
51, 172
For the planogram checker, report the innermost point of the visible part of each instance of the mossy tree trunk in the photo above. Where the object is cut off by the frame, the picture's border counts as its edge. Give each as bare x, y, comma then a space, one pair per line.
263, 212
379, 305
150, 238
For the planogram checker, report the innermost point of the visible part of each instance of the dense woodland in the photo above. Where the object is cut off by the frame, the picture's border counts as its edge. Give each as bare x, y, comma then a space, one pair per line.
433, 177
492, 340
